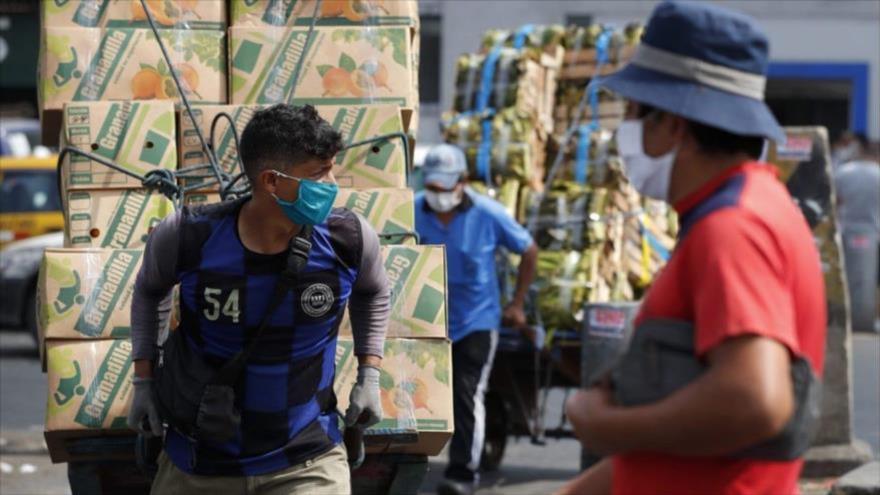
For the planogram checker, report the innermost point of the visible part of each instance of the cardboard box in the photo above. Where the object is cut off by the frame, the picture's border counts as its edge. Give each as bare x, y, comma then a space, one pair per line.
390, 211
138, 136
86, 293
89, 391
192, 153
381, 164
417, 276
415, 387
87, 64
341, 66
177, 14
265, 13
117, 219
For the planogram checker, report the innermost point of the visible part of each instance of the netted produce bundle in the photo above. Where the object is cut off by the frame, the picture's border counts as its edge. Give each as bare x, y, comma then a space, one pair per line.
646, 249
607, 109
535, 41
598, 50
505, 146
507, 194
517, 82
563, 284
562, 218
588, 156
543, 38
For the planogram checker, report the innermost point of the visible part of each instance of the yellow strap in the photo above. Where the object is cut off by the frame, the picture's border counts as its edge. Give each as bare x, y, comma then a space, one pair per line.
646, 251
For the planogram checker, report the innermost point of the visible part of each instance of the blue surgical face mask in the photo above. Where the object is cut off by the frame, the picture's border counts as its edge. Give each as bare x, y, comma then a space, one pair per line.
313, 203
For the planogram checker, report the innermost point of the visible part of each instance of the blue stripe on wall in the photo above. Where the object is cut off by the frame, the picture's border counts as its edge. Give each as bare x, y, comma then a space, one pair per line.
855, 73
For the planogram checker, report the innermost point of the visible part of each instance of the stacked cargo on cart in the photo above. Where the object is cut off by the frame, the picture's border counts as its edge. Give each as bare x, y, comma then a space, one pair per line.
599, 240
538, 136
502, 109
105, 88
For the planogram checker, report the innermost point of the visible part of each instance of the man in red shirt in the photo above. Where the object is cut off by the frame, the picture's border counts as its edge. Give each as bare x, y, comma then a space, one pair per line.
743, 289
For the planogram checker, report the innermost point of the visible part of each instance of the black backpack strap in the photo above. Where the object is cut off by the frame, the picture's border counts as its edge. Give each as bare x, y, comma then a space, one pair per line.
297, 257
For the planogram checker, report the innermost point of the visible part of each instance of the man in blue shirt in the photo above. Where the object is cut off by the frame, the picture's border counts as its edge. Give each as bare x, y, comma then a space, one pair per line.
472, 227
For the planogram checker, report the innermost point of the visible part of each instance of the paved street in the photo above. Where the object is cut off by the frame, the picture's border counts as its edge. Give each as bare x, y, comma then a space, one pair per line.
527, 469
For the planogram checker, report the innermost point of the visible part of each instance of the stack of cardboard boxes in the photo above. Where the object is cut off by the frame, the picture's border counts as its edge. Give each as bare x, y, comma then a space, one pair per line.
98, 50
106, 89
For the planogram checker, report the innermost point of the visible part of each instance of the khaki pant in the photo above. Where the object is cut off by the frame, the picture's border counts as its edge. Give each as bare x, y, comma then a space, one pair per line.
326, 474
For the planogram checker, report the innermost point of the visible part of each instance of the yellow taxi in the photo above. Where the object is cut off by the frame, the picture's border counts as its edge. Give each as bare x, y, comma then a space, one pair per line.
29, 200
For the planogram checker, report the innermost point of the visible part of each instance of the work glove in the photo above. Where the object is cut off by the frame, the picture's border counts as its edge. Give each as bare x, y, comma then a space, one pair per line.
365, 407
142, 405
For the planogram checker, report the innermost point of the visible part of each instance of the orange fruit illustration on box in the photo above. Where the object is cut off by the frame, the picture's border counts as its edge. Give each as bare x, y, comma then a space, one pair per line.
353, 10
145, 83
407, 396
389, 410
163, 11
156, 82
336, 82
356, 81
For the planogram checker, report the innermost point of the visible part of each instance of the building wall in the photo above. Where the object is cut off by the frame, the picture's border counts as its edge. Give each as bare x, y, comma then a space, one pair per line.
815, 31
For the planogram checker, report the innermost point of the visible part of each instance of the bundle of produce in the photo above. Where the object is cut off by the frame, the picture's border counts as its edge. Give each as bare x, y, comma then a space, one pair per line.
607, 110
588, 155
535, 41
508, 193
517, 82
507, 145
597, 45
562, 218
646, 249
563, 283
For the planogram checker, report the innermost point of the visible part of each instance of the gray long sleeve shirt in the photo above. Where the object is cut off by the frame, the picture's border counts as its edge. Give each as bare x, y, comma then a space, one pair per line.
368, 305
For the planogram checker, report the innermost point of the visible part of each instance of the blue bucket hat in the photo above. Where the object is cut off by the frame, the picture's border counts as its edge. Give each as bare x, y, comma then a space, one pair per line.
703, 63
444, 165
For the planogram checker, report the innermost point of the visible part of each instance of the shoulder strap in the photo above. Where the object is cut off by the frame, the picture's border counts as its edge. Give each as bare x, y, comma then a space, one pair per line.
297, 257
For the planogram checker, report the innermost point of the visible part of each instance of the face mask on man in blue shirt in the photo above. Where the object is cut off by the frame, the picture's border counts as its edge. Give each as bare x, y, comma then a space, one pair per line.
443, 202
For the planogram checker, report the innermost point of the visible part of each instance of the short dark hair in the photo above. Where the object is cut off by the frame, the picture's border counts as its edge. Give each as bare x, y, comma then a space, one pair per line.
283, 135
712, 140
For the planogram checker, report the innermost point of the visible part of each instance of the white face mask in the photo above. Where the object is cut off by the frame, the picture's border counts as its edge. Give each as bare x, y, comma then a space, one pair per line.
649, 175
443, 202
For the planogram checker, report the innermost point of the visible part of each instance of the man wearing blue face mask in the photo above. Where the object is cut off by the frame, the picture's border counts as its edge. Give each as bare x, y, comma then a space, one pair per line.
227, 258
719, 389
472, 227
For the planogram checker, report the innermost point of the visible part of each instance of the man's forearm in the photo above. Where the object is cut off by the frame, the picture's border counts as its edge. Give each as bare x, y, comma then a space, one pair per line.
369, 360
143, 368
525, 274
688, 422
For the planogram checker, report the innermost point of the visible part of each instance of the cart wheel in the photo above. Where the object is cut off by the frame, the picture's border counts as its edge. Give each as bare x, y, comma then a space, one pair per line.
496, 433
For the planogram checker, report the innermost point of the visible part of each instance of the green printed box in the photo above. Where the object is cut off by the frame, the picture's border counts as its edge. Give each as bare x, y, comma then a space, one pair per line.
89, 391
265, 13
138, 136
379, 164
86, 293
417, 277
415, 386
113, 218
171, 14
391, 212
90, 64
337, 66
192, 152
